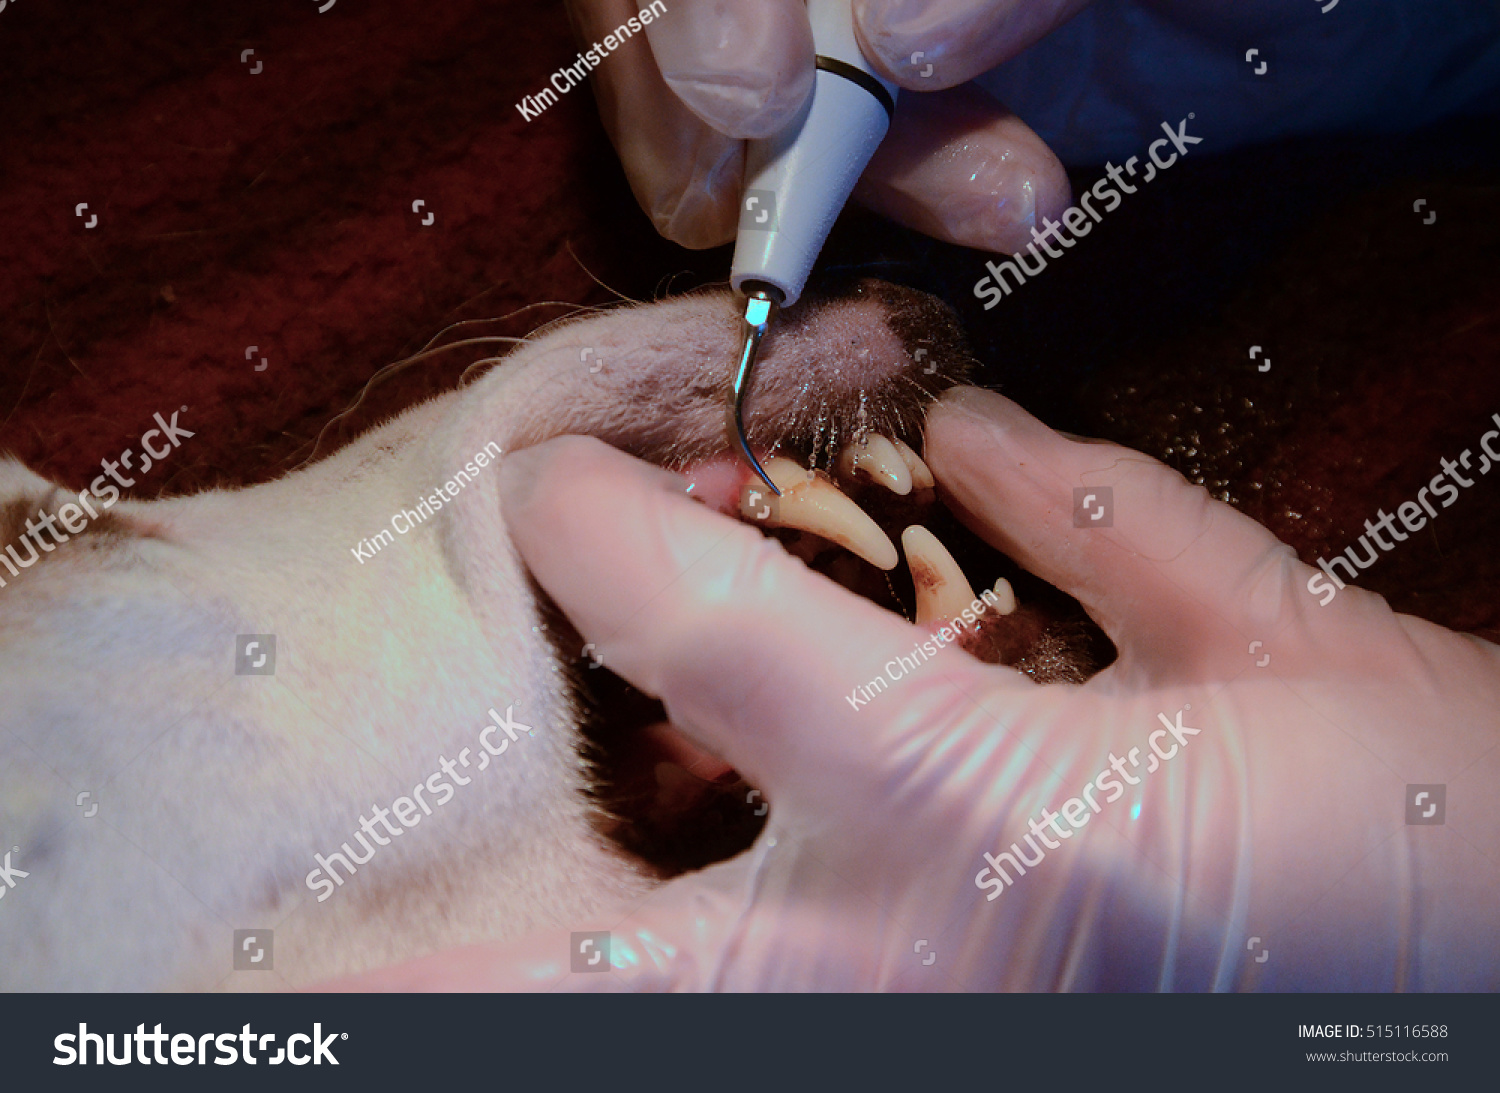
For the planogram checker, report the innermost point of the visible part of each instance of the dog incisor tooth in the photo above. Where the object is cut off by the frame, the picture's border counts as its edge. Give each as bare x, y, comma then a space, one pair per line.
943, 591
921, 474
1006, 595
811, 502
879, 460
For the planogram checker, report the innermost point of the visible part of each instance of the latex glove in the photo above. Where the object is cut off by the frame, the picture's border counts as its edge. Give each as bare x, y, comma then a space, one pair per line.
1271, 848
957, 164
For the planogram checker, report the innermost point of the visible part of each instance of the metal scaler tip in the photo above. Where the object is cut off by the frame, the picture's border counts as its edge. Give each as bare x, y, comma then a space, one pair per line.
760, 307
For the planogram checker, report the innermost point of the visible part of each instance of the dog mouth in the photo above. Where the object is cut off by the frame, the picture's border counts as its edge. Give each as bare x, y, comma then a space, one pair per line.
870, 516
836, 417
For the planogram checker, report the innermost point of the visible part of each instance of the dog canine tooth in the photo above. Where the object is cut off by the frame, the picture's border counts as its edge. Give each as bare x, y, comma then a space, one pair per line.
880, 460
811, 502
943, 591
1006, 595
921, 474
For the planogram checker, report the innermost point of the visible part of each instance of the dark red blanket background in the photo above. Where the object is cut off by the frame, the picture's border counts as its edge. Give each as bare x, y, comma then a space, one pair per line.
272, 209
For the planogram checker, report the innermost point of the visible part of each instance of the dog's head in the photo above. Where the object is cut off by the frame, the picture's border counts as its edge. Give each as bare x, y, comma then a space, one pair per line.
841, 390
209, 700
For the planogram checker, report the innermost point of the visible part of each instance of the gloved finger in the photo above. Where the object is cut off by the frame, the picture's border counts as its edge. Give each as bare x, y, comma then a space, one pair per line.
744, 68
1173, 576
926, 45
753, 654
666, 942
959, 167
730, 927
685, 175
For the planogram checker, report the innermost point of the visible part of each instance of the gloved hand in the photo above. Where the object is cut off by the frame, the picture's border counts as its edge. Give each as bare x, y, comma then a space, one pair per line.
1206, 813
961, 167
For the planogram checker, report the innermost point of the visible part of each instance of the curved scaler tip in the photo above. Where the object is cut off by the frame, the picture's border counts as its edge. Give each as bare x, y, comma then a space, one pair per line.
760, 306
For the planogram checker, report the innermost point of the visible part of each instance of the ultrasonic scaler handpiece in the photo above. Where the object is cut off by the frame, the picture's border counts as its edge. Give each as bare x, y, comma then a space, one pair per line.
797, 181
761, 303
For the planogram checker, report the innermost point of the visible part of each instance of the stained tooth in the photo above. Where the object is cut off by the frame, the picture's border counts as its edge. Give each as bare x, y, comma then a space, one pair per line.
880, 460
921, 474
813, 503
1006, 595
943, 591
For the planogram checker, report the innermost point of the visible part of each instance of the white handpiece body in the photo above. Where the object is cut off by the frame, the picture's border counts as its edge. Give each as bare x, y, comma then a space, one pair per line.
797, 181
